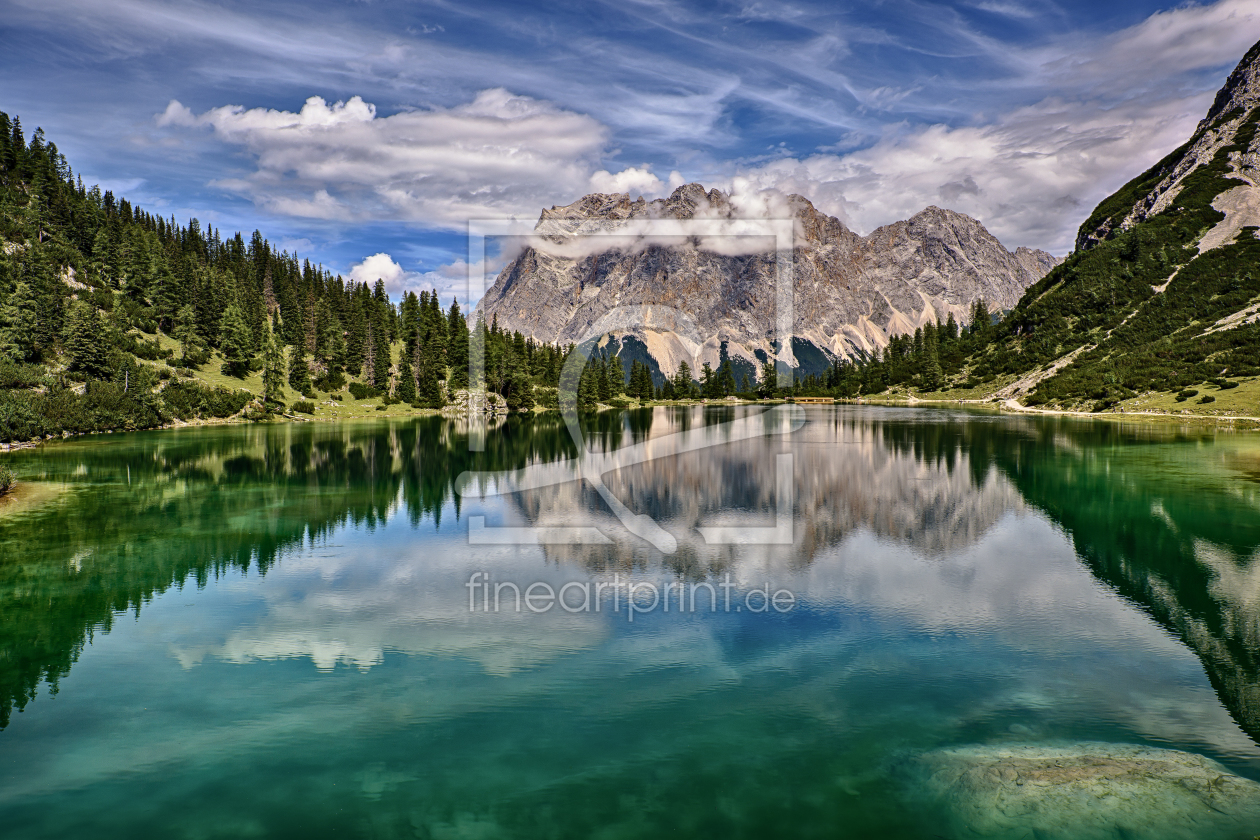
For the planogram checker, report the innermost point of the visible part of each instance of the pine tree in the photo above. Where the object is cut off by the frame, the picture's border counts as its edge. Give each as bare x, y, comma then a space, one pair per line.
405, 390
19, 316
299, 372
273, 370
84, 340
428, 384
588, 389
933, 379
602, 385
457, 350
980, 318
726, 379
683, 381
236, 342
330, 344
382, 358
191, 347
769, 379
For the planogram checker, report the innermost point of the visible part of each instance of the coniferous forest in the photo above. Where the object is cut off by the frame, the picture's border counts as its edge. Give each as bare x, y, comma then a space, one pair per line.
114, 318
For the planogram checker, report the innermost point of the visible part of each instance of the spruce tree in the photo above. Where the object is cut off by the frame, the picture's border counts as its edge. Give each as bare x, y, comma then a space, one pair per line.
980, 318
457, 350
18, 317
405, 390
299, 372
85, 340
236, 343
273, 370
191, 347
382, 359
602, 385
428, 385
769, 379
933, 379
682, 381
588, 388
726, 379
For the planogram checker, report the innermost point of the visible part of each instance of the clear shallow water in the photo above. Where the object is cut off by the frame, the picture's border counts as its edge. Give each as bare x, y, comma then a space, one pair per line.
265, 631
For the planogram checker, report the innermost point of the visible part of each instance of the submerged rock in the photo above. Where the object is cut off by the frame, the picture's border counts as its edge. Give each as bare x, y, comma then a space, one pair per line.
1090, 791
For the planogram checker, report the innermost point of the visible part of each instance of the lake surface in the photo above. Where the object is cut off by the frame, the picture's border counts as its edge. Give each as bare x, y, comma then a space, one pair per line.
265, 631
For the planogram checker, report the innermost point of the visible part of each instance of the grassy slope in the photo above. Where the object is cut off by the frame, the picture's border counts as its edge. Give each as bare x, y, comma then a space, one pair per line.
325, 408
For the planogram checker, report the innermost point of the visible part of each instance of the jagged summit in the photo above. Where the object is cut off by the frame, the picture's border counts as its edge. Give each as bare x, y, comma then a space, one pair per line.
1162, 293
1230, 123
1241, 89
852, 293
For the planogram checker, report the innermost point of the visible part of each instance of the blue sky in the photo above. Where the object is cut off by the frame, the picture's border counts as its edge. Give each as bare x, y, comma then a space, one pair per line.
364, 135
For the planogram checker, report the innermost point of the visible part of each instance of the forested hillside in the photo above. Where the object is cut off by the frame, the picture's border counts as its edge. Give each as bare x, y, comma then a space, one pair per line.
114, 318
1160, 302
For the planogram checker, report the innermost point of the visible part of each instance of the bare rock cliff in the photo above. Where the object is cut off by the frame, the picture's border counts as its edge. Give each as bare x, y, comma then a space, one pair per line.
684, 298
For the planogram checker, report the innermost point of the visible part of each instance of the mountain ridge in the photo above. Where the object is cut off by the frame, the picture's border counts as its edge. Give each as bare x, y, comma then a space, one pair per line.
851, 293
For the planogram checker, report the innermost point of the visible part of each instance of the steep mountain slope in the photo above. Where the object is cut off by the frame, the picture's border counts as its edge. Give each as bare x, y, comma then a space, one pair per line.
1163, 291
851, 293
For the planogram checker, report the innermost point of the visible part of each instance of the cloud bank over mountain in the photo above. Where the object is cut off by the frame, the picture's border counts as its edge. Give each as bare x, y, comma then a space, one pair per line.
365, 128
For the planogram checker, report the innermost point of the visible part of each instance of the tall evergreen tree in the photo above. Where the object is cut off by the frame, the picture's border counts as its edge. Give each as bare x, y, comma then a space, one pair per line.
236, 342
19, 316
769, 382
84, 340
382, 359
299, 372
457, 352
273, 369
405, 390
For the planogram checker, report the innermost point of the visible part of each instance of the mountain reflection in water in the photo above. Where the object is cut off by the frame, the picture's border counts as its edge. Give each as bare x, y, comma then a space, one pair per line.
1168, 518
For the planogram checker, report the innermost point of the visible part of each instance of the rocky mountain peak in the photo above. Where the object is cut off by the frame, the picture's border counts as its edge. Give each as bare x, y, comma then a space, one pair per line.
1241, 90
851, 293
1228, 130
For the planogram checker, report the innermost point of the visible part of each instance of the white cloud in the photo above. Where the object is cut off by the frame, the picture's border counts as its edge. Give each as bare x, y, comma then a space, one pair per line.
450, 281
1031, 178
499, 155
1110, 109
635, 181
383, 267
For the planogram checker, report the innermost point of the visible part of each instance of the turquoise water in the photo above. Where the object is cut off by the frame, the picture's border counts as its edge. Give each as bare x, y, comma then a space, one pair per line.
265, 631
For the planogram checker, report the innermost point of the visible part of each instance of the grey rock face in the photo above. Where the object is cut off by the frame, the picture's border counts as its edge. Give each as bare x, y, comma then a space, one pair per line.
683, 299
1230, 112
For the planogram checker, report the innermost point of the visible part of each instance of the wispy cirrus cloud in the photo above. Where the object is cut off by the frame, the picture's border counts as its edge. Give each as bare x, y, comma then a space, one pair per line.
499, 155
1112, 107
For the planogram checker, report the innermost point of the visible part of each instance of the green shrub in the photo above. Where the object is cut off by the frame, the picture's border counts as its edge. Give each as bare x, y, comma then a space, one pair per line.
190, 399
336, 397
7, 479
17, 375
304, 407
20, 417
382, 408
330, 381
362, 391
1226, 384
1186, 394
1207, 398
